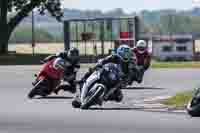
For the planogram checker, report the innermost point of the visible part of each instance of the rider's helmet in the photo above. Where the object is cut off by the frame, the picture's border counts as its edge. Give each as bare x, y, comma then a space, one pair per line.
124, 52
141, 46
73, 55
63, 55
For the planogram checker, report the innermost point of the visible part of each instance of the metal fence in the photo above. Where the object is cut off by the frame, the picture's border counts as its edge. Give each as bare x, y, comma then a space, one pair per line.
97, 36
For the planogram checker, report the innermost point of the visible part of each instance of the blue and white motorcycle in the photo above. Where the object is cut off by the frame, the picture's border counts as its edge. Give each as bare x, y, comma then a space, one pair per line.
100, 85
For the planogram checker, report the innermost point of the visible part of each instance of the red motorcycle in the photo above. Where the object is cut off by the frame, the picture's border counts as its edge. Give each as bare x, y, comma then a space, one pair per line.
48, 79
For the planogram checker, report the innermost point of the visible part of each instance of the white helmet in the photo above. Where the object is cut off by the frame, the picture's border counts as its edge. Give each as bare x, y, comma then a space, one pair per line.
141, 46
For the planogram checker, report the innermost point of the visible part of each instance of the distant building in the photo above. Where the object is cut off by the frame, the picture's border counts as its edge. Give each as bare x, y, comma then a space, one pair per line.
176, 47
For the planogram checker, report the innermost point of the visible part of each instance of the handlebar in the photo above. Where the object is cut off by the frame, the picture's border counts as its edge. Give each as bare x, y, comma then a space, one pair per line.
42, 61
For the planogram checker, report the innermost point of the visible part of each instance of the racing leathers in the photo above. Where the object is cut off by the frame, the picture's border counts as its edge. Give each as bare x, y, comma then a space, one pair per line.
128, 71
70, 72
143, 61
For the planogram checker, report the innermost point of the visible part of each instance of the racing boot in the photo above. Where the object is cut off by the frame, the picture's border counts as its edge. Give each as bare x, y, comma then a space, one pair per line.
140, 75
71, 88
117, 96
66, 87
99, 102
76, 103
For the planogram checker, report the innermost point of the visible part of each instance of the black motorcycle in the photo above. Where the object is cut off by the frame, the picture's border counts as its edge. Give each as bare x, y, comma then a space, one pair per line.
100, 85
193, 107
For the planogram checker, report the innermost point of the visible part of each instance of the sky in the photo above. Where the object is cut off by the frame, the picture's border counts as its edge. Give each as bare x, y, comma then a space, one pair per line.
130, 5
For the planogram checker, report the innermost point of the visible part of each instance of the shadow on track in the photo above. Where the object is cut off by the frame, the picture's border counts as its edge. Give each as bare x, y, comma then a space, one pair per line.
55, 97
143, 88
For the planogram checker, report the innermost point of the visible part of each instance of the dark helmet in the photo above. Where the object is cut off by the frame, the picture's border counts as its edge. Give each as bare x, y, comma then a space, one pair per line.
63, 55
73, 55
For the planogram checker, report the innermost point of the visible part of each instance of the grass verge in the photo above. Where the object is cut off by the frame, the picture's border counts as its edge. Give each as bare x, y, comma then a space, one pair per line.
164, 65
179, 101
176, 64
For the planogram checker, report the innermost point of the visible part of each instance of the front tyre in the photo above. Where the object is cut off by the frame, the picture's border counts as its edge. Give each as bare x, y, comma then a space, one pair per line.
36, 90
193, 107
32, 93
92, 97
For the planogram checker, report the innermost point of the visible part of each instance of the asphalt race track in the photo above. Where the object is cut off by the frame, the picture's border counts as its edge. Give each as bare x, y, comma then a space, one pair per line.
18, 114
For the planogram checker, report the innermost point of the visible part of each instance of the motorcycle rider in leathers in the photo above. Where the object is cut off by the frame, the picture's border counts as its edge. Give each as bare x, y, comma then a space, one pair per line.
143, 58
123, 57
72, 59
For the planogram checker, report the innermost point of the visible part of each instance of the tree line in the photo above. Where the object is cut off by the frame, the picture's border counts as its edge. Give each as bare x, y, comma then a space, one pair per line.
175, 24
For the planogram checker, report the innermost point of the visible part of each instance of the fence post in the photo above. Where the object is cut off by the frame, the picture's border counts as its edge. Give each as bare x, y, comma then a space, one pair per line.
137, 28
66, 35
102, 37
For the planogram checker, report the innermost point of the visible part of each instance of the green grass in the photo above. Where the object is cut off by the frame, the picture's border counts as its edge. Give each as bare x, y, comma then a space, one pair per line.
169, 65
180, 100
176, 64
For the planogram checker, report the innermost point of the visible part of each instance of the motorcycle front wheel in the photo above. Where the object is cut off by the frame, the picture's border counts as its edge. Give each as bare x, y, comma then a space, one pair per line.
36, 90
193, 107
92, 96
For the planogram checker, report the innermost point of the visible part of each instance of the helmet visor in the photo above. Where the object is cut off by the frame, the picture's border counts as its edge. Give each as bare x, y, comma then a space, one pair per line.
141, 49
127, 54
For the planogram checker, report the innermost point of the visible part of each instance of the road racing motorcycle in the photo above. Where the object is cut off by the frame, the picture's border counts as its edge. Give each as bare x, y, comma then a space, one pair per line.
49, 78
100, 85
